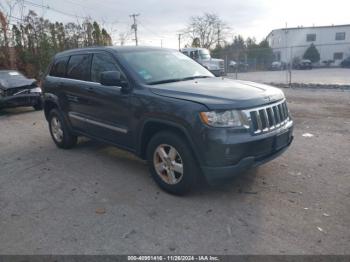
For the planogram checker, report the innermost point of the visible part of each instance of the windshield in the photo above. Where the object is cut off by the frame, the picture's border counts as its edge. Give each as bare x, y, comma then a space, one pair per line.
204, 54
157, 66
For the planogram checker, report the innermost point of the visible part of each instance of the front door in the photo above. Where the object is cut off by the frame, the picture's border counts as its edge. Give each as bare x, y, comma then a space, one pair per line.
109, 112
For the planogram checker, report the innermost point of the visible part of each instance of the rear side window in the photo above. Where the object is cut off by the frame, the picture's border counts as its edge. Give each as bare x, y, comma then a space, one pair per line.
101, 63
79, 67
59, 67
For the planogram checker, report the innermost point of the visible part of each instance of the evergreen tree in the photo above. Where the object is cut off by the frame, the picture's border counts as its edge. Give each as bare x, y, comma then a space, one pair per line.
312, 54
34, 40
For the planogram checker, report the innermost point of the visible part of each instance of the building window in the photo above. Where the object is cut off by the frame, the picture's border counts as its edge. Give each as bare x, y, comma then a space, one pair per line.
340, 36
277, 56
310, 37
338, 56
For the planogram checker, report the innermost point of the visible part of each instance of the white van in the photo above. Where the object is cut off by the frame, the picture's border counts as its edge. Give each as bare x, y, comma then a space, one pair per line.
202, 56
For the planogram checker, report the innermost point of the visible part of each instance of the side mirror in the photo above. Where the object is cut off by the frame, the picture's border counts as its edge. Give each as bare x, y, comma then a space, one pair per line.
111, 78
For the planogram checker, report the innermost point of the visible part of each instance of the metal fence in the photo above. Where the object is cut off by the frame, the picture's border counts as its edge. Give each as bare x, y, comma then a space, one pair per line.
289, 66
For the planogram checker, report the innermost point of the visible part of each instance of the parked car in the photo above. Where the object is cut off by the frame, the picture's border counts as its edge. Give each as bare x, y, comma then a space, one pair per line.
345, 62
202, 56
17, 90
167, 109
238, 66
278, 65
303, 64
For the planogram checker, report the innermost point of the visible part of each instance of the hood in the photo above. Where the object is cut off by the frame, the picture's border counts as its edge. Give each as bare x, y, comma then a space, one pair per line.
215, 61
221, 93
16, 82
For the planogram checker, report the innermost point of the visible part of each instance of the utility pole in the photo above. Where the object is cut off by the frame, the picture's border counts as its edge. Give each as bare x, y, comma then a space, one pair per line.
134, 26
219, 37
179, 35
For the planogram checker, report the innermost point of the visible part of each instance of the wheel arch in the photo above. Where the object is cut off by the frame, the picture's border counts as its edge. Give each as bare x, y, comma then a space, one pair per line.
154, 126
50, 102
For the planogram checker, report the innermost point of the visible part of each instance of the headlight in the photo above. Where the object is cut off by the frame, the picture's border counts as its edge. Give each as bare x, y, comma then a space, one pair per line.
230, 118
35, 90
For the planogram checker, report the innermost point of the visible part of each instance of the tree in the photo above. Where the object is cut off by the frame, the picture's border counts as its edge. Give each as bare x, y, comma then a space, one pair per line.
106, 38
259, 54
196, 42
30, 43
96, 34
208, 28
312, 54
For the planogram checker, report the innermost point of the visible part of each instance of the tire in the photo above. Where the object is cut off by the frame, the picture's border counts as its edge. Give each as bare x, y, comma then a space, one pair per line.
177, 183
38, 107
63, 138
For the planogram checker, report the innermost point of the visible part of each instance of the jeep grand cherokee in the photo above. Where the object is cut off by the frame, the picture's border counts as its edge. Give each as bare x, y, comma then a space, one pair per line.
167, 109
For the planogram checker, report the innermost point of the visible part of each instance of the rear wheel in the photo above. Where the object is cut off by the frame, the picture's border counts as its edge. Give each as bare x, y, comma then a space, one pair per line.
171, 163
59, 131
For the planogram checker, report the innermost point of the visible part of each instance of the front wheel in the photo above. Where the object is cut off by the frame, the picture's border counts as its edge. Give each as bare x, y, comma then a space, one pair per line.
171, 163
38, 107
59, 131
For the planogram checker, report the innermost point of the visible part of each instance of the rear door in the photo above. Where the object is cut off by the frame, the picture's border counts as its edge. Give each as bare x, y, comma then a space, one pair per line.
77, 88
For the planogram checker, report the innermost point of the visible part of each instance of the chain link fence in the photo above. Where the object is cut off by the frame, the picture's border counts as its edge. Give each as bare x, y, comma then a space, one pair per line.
290, 66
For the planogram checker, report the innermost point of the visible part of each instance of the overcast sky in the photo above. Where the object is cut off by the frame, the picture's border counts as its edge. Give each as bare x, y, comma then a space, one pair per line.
163, 19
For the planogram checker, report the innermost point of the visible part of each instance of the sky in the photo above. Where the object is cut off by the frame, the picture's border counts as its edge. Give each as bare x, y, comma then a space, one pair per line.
161, 20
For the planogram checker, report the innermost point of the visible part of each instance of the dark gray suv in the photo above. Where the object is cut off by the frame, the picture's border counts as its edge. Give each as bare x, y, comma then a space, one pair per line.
167, 109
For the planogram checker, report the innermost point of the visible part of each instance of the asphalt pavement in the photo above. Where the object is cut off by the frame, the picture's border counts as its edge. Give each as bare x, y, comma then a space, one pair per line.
97, 199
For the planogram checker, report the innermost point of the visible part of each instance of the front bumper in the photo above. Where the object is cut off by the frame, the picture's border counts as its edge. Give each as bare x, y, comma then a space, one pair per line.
21, 100
235, 153
218, 72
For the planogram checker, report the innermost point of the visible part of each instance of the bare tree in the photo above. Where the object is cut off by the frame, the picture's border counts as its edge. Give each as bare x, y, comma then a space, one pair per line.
5, 22
208, 29
123, 37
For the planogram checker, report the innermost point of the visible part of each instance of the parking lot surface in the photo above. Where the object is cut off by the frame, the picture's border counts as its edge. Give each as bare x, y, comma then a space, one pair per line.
324, 76
96, 199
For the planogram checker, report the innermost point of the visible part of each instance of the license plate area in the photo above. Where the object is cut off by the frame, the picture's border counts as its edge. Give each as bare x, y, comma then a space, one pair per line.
281, 140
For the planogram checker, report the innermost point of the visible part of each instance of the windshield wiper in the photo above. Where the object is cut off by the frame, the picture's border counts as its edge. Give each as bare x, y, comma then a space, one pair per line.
176, 80
194, 77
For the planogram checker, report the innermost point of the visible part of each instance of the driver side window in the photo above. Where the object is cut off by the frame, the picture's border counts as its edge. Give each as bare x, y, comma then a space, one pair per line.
194, 55
101, 63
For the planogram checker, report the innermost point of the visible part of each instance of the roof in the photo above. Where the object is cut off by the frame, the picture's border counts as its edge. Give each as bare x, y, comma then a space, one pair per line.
192, 48
118, 49
309, 27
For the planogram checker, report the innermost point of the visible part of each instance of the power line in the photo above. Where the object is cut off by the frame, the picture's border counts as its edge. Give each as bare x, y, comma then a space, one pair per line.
53, 9
134, 26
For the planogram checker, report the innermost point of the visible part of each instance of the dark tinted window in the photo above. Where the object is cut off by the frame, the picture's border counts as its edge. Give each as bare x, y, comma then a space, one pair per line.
311, 37
340, 36
79, 67
101, 63
338, 56
59, 67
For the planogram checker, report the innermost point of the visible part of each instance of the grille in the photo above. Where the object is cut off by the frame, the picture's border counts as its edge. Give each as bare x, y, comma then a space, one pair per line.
267, 118
13, 91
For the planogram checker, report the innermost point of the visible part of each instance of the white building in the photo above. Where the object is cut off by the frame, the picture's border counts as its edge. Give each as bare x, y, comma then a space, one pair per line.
332, 42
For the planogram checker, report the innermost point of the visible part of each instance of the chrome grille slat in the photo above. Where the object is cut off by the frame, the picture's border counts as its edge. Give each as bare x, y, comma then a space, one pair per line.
267, 118
275, 111
258, 118
281, 112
